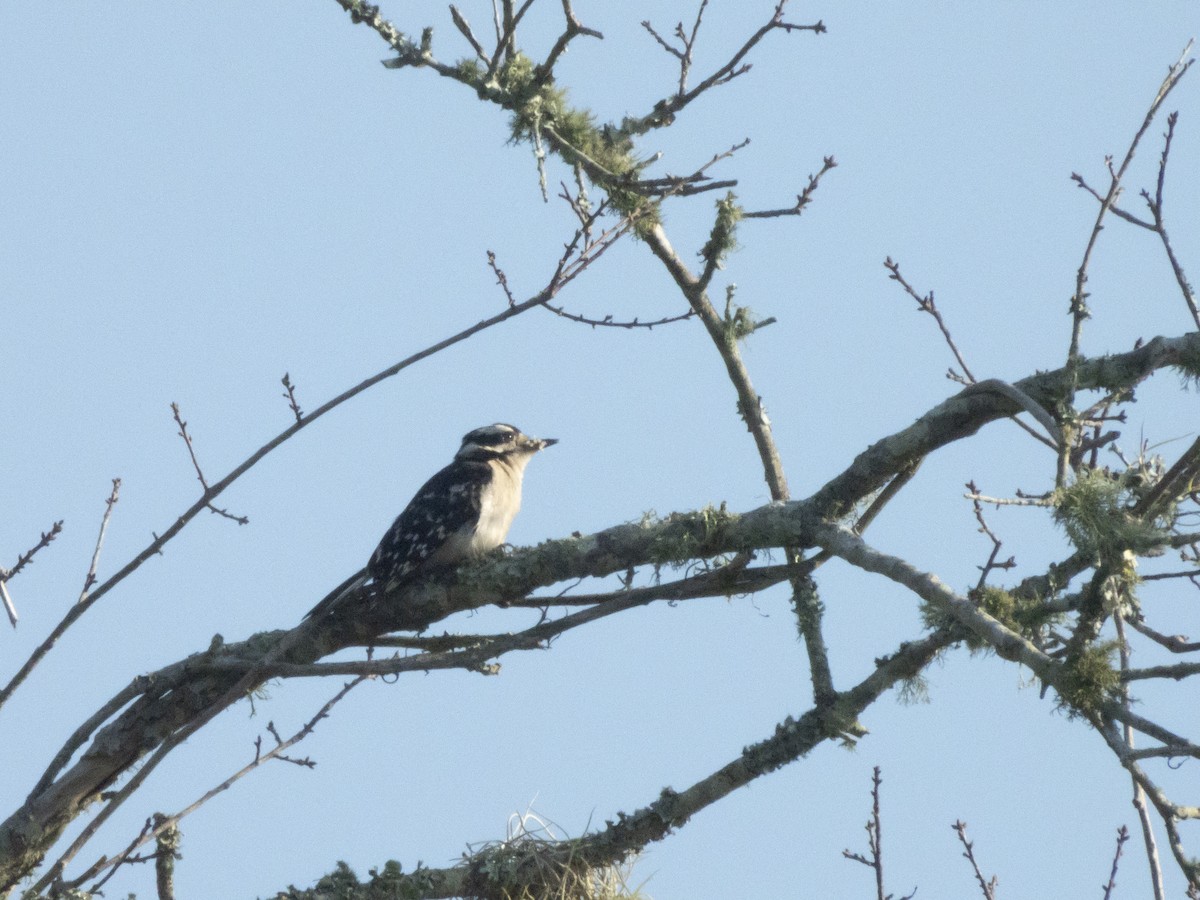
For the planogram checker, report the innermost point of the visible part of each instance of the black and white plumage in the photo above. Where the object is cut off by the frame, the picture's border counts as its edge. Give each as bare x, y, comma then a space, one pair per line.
463, 511
460, 513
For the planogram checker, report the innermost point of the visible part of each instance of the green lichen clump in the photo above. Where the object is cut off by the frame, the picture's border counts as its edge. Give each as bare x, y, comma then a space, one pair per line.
469, 70
390, 882
541, 111
722, 240
1089, 680
1188, 364
913, 690
689, 536
1095, 513
543, 116
1027, 616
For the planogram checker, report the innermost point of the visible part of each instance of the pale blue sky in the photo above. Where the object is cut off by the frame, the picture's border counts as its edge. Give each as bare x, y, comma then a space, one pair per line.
196, 198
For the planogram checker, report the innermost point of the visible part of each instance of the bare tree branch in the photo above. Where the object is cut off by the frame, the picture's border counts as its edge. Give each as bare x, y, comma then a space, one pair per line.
23, 560
793, 738
665, 110
1079, 309
987, 886
564, 274
108, 507
187, 440
1160, 228
802, 199
152, 722
164, 825
460, 22
1122, 837
1139, 795
290, 396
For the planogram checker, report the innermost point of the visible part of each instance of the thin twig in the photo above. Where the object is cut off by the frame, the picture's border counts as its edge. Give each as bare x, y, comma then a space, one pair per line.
26, 558
165, 823
988, 886
1009, 501
874, 858
687, 40
1191, 574
609, 322
927, 305
1078, 307
574, 28
108, 507
986, 569
1176, 643
802, 199
1169, 813
578, 255
1139, 795
501, 279
1185, 286
561, 277
208, 491
290, 396
662, 42
1122, 837
464, 28
505, 42
10, 608
146, 827
23, 560
665, 110
687, 185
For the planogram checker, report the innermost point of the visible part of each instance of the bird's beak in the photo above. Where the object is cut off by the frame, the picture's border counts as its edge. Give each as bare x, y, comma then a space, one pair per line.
543, 443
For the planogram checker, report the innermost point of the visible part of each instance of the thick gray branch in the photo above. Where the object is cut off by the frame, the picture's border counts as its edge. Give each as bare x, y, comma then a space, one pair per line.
508, 870
179, 694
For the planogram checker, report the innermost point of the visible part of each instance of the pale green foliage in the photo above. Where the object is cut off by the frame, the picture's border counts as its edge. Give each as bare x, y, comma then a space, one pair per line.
1093, 511
739, 320
543, 115
469, 70
740, 323
1027, 616
1089, 680
722, 240
913, 690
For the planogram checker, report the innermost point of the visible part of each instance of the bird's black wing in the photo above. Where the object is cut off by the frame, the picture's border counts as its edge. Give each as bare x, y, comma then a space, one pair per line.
446, 506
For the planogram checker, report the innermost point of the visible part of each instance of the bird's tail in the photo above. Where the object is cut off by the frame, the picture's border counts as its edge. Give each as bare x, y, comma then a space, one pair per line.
334, 597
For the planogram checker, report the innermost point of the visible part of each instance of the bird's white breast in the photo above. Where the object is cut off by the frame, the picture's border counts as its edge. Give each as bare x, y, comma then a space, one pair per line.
499, 503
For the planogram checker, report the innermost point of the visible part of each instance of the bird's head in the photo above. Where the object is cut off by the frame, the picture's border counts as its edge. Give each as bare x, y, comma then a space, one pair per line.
501, 441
